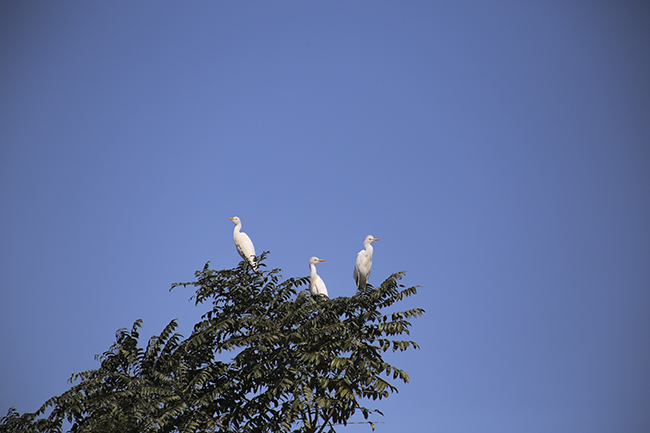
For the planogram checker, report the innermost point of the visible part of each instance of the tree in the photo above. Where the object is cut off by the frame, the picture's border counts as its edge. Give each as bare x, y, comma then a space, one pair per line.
267, 357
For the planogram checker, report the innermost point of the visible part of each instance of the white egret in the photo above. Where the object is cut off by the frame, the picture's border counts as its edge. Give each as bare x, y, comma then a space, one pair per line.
316, 284
243, 243
364, 263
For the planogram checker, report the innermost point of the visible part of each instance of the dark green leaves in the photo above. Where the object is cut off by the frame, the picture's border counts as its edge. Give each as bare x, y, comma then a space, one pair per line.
266, 357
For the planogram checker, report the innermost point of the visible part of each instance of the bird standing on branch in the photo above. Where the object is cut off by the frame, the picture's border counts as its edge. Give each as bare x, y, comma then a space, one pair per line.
316, 284
364, 263
243, 243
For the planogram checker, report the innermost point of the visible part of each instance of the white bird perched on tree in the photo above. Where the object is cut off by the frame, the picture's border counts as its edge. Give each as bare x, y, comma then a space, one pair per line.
364, 263
243, 243
316, 284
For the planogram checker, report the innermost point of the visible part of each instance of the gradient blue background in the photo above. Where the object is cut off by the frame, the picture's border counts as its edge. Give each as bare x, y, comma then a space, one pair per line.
500, 150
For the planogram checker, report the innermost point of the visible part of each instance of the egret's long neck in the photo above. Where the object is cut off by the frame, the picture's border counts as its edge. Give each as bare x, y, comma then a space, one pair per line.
313, 269
237, 228
369, 248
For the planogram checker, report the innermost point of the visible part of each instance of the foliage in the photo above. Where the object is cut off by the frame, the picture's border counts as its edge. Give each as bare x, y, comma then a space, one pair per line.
267, 357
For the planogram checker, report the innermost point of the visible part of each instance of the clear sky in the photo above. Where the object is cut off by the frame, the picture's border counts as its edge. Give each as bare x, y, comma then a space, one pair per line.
500, 150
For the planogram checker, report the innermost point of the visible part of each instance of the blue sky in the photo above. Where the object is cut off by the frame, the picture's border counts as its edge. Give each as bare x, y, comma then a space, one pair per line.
500, 150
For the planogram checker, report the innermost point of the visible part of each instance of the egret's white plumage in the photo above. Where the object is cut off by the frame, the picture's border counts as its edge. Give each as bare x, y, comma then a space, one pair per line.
243, 243
316, 284
364, 263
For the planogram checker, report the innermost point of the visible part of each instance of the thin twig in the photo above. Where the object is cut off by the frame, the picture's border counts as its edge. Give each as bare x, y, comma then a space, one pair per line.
372, 423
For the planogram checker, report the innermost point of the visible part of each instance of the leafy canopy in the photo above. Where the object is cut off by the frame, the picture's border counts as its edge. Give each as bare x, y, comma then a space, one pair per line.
267, 357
